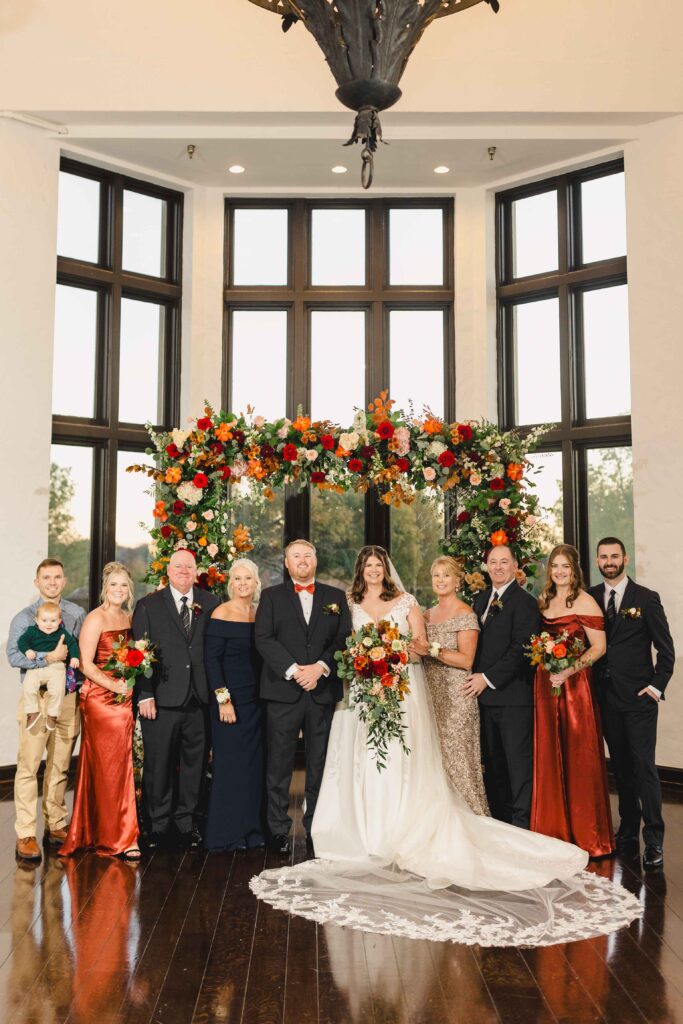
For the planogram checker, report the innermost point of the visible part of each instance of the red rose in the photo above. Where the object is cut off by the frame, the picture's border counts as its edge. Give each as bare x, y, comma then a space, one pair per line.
289, 453
367, 671
403, 464
178, 507
512, 522
497, 484
134, 657
367, 451
239, 436
165, 531
395, 658
317, 477
172, 451
380, 667
446, 459
201, 480
463, 517
204, 423
387, 680
355, 465
385, 430
328, 442
225, 472
465, 431
216, 447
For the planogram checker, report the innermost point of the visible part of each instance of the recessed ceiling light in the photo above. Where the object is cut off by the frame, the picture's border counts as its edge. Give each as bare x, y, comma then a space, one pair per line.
339, 169
236, 169
441, 169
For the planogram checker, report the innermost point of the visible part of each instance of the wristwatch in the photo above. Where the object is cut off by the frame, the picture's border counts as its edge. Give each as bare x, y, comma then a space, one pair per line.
435, 649
223, 695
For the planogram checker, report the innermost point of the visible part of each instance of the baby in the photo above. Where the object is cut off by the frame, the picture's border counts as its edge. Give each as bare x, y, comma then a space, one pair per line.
44, 637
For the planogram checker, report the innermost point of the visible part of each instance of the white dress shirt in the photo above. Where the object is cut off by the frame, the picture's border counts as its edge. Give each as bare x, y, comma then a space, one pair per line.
306, 607
619, 591
500, 591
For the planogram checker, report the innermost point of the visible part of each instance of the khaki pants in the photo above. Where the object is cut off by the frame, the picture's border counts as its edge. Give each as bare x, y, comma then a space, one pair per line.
60, 744
54, 677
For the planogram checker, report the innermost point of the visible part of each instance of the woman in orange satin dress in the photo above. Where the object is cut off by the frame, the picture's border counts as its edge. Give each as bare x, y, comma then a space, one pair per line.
105, 815
570, 797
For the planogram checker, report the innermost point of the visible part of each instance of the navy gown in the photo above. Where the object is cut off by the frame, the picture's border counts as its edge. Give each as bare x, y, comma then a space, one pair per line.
235, 805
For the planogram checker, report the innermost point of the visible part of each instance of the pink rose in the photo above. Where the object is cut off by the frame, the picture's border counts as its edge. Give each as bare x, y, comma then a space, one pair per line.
208, 515
212, 550
429, 473
475, 479
311, 454
259, 421
505, 503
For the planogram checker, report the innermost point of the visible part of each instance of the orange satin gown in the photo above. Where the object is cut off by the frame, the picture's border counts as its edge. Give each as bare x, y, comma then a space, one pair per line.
104, 816
570, 797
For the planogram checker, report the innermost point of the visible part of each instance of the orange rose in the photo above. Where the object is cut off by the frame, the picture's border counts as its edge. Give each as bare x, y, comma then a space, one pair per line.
159, 511
173, 475
387, 680
498, 537
301, 423
515, 471
560, 651
202, 542
360, 662
404, 657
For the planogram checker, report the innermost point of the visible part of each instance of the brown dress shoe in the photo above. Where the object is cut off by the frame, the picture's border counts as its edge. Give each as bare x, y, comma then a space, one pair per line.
28, 849
54, 837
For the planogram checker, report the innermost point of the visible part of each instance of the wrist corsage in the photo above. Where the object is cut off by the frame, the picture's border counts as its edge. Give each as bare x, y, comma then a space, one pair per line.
435, 649
223, 695
331, 609
632, 613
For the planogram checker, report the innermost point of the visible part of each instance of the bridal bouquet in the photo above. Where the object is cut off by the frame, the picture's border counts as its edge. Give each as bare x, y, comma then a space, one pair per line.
376, 664
555, 653
130, 659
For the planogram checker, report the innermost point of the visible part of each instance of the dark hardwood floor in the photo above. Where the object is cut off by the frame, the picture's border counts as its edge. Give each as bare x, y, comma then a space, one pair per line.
179, 939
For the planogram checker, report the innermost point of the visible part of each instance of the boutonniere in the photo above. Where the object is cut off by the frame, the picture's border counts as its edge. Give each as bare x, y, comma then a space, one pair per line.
196, 609
331, 609
497, 605
632, 613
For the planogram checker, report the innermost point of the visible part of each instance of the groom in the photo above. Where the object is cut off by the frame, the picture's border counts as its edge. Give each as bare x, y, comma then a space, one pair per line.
300, 624
502, 680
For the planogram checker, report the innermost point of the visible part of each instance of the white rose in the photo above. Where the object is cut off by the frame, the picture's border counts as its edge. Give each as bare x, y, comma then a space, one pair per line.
367, 641
436, 448
311, 454
282, 432
179, 437
190, 494
349, 441
475, 479
208, 515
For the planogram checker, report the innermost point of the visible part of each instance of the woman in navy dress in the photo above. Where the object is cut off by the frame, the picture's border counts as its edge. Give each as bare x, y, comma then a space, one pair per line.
235, 806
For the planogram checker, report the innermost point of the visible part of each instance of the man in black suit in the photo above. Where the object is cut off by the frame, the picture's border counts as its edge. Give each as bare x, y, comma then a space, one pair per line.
172, 704
630, 687
300, 624
503, 682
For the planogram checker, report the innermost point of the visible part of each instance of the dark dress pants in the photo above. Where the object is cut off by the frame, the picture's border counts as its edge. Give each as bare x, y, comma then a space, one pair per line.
285, 721
631, 733
175, 739
508, 741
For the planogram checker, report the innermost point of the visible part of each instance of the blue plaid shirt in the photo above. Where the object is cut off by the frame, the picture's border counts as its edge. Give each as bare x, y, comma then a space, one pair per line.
72, 617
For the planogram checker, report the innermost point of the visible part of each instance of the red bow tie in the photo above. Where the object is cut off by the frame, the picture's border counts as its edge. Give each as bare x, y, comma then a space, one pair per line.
310, 588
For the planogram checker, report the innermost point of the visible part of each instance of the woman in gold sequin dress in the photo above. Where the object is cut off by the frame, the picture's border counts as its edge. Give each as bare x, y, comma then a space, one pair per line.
452, 631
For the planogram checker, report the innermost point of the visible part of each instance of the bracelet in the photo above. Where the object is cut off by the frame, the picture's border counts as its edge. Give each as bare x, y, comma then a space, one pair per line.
435, 649
223, 695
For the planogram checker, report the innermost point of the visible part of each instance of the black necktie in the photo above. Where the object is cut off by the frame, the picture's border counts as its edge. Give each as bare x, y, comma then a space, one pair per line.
185, 615
611, 610
493, 607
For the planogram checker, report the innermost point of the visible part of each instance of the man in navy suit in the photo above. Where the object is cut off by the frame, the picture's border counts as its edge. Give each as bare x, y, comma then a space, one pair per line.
631, 686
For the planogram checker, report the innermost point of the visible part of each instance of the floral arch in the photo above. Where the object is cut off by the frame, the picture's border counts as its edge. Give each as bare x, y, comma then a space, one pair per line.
486, 471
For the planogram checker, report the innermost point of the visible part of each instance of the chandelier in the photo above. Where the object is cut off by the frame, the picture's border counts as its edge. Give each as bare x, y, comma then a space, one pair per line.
367, 44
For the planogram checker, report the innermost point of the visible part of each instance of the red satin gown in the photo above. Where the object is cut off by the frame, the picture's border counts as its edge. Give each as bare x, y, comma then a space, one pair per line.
570, 797
104, 816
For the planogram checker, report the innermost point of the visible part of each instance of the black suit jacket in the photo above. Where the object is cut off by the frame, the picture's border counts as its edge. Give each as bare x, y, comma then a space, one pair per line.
630, 641
283, 638
500, 653
180, 665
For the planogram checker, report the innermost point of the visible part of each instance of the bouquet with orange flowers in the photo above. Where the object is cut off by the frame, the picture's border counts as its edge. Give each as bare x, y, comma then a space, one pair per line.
375, 663
555, 653
130, 658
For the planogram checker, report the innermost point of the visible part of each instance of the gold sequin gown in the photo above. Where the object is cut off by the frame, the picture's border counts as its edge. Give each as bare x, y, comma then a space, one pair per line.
457, 717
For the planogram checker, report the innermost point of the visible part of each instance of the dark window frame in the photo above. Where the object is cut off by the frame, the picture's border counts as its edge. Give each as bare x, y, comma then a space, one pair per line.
103, 432
574, 434
377, 297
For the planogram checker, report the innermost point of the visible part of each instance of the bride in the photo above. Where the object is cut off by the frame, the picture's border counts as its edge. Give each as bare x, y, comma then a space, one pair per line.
400, 852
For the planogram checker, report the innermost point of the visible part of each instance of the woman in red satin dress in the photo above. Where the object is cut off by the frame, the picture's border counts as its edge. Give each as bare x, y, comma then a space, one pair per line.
570, 797
105, 816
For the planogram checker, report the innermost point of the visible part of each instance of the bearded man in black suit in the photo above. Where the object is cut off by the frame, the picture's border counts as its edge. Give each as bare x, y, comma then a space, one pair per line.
631, 686
172, 704
503, 682
300, 625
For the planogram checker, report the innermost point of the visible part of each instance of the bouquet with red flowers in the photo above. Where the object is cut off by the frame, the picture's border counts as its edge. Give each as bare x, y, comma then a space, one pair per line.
555, 653
130, 659
376, 664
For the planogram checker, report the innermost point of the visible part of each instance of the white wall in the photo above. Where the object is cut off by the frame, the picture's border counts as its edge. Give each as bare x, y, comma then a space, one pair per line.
28, 243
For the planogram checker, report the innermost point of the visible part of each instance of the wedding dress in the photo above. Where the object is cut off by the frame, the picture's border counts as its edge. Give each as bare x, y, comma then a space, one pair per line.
399, 851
